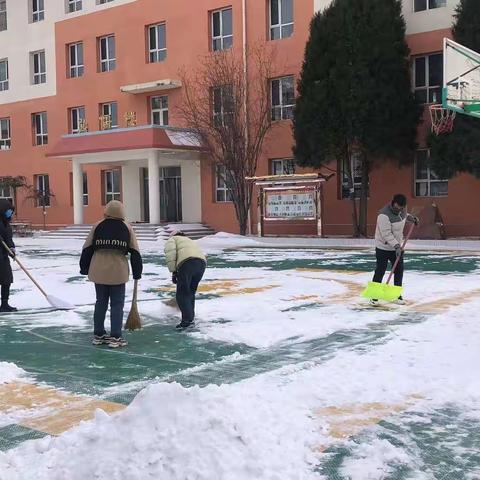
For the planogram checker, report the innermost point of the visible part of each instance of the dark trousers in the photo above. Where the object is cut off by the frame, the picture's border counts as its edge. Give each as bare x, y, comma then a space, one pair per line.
383, 257
116, 295
188, 277
5, 291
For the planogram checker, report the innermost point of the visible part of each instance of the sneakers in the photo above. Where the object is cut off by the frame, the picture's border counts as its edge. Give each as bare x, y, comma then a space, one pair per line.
374, 302
117, 342
6, 308
400, 301
183, 326
100, 339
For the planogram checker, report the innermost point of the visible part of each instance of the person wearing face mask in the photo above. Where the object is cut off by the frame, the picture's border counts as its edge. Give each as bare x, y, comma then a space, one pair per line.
389, 238
6, 234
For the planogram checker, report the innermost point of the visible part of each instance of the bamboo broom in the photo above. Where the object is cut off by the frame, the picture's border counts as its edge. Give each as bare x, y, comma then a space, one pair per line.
133, 321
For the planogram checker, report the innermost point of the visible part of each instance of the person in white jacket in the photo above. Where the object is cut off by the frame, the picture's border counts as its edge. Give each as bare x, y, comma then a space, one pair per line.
389, 238
187, 263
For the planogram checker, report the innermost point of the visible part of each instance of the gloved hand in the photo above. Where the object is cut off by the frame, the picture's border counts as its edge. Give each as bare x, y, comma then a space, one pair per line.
83, 272
416, 220
14, 253
174, 278
398, 250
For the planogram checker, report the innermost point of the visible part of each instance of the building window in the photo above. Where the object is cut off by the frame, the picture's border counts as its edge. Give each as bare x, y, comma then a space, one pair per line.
283, 98
222, 30
427, 183
77, 119
159, 109
282, 166
3, 15
106, 46
40, 128
74, 6
39, 71
421, 5
6, 191
42, 185
112, 185
109, 115
75, 59
281, 19
3, 75
428, 78
222, 192
85, 189
222, 105
5, 136
157, 43
101, 2
355, 169
38, 10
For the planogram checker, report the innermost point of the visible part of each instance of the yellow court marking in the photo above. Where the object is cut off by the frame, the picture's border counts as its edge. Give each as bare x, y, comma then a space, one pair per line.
48, 410
349, 420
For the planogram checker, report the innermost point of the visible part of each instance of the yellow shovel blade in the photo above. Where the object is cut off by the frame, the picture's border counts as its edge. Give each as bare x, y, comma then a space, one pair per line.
382, 291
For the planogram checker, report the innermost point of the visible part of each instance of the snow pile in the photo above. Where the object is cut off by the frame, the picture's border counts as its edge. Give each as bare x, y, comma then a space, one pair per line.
222, 241
10, 372
170, 432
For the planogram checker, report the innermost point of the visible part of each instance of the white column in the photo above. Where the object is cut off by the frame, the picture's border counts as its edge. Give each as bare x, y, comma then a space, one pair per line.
191, 191
132, 193
154, 188
77, 192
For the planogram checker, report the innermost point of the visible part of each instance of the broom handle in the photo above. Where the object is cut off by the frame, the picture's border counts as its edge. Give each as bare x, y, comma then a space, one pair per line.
135, 289
27, 273
410, 230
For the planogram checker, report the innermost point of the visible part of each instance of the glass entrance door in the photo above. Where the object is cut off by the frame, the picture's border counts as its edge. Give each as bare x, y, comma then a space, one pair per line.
170, 194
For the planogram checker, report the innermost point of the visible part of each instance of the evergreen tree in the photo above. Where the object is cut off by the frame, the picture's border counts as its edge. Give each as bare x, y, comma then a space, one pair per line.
459, 151
355, 93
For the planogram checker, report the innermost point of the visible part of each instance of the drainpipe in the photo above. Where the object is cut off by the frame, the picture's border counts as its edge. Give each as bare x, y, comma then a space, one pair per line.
245, 96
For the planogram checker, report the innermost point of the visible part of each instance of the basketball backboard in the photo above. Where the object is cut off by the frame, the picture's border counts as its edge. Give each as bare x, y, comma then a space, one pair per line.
461, 77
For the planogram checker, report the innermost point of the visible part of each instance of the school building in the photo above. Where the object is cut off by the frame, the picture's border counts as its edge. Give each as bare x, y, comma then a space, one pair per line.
89, 97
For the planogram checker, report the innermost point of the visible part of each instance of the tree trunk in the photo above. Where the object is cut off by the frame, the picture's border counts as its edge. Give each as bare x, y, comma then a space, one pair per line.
363, 222
15, 201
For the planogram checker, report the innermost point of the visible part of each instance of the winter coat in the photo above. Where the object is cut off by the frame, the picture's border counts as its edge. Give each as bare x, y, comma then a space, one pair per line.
390, 226
179, 249
6, 275
104, 254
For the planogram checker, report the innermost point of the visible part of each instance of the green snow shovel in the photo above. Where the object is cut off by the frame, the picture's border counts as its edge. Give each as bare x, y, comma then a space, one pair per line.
384, 291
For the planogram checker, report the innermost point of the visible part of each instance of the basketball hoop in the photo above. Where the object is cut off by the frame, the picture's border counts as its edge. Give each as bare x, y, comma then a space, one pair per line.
442, 119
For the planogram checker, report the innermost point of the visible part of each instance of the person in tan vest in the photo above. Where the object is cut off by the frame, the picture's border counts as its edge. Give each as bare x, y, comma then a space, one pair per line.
187, 263
104, 260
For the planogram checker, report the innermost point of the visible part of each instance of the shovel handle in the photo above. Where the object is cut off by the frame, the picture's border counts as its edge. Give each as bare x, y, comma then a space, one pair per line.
395, 265
27, 273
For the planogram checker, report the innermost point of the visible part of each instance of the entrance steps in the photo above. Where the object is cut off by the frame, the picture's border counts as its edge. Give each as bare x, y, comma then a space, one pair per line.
144, 231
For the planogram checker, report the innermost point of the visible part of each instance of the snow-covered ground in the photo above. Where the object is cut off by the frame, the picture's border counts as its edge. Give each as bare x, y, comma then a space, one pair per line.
350, 392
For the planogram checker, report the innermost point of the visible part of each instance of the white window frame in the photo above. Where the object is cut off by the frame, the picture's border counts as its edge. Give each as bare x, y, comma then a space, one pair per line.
282, 166
427, 5
281, 25
76, 69
4, 84
42, 184
282, 111
108, 63
431, 178
157, 54
38, 77
102, 2
112, 194
356, 169
6, 192
219, 116
85, 189
3, 15
73, 6
162, 112
37, 8
429, 89
108, 110
76, 115
41, 135
221, 41
222, 192
5, 142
